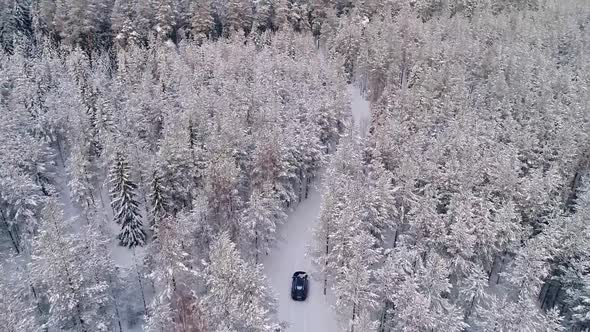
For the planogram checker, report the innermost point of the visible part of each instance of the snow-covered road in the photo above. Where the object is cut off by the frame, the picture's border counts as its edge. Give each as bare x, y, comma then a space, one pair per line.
360, 110
291, 254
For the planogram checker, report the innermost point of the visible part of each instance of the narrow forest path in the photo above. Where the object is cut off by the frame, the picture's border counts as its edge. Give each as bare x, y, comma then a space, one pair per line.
359, 106
292, 253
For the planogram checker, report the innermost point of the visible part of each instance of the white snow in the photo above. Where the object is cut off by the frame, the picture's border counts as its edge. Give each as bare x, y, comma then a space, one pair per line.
360, 110
291, 253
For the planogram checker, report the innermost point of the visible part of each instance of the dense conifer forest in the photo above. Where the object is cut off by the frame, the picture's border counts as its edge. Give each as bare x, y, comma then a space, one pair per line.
153, 151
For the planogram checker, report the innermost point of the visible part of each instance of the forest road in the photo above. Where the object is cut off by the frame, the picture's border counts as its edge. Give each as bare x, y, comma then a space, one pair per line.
292, 253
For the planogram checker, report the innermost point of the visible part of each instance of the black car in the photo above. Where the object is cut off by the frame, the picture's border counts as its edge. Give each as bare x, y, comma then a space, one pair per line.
299, 286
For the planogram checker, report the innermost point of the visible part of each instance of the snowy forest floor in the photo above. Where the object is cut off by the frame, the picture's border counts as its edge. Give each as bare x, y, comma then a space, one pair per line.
292, 252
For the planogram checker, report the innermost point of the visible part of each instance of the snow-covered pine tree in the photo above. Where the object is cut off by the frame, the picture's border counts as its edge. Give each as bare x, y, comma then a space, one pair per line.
166, 19
504, 314
419, 295
341, 178
81, 182
317, 15
298, 17
465, 7
98, 13
306, 155
351, 251
100, 271
6, 29
15, 24
17, 303
271, 166
426, 9
263, 15
570, 262
124, 204
553, 321
201, 21
43, 17
354, 284
161, 317
24, 162
472, 289
259, 222
175, 305
280, 19
331, 210
238, 297
144, 19
122, 22
239, 16
381, 207
176, 158
82, 23
224, 202
71, 272
158, 202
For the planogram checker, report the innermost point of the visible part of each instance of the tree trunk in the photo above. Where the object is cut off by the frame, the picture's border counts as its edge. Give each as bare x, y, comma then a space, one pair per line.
68, 277
111, 205
12, 236
383, 316
80, 320
500, 268
492, 269
34, 291
353, 317
470, 309
140, 283
104, 208
60, 149
401, 222
115, 304
74, 291
555, 297
301, 184
326, 264
542, 298
143, 193
256, 245
40, 183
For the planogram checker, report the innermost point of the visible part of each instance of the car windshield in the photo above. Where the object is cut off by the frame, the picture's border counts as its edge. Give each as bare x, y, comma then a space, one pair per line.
299, 283
299, 287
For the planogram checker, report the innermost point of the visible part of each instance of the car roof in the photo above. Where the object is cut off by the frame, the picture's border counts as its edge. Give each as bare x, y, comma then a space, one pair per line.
300, 274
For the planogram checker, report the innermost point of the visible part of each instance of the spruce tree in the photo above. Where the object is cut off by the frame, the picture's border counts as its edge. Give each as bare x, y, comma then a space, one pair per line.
263, 15
239, 16
158, 202
125, 205
122, 23
201, 21
166, 17
281, 14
